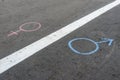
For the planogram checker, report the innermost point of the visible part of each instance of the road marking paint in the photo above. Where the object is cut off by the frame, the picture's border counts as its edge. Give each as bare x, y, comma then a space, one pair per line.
20, 55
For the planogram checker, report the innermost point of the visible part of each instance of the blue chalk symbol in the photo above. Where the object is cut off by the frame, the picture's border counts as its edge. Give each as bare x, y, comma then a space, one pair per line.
103, 40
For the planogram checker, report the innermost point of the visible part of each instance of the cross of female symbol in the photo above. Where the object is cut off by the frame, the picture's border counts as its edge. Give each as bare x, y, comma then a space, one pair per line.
21, 29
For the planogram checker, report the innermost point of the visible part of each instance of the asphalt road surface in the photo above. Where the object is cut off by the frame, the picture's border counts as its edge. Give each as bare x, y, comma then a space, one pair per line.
57, 61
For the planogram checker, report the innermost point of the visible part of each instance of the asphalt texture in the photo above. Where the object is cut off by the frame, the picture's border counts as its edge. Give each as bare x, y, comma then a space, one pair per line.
57, 61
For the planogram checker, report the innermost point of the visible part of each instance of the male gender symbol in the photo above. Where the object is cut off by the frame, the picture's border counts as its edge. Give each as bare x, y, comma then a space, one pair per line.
109, 41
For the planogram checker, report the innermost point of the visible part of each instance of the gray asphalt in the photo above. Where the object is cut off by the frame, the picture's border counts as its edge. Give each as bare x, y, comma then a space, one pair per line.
57, 61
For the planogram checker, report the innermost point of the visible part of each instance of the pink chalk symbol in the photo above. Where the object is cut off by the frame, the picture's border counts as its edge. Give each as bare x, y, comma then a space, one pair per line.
21, 28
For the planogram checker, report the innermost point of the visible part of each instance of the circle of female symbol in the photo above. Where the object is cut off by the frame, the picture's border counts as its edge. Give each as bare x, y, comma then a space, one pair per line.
94, 42
21, 28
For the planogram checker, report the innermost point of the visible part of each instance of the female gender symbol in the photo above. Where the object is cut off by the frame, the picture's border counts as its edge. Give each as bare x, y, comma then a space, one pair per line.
94, 42
24, 30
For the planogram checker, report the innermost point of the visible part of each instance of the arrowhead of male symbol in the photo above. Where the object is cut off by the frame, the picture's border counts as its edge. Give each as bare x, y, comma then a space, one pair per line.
110, 41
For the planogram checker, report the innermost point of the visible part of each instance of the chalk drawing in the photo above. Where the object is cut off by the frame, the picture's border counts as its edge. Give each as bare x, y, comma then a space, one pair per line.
103, 40
21, 28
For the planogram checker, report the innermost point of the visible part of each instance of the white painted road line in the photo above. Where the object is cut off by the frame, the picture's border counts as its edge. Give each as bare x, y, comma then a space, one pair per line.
20, 55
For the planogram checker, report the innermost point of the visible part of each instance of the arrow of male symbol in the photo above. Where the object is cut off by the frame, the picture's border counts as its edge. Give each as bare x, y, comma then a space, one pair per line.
103, 40
108, 40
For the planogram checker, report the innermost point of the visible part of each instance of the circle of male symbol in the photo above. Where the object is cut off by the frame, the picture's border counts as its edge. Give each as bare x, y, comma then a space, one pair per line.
94, 42
21, 28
